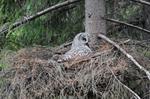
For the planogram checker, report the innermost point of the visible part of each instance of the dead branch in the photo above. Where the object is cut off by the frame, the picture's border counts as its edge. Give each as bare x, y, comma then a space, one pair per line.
126, 54
38, 14
142, 2
65, 45
125, 86
127, 24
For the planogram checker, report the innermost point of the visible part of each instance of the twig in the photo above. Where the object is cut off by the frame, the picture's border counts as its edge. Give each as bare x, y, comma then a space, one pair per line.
142, 2
126, 54
65, 45
94, 54
129, 89
127, 24
38, 14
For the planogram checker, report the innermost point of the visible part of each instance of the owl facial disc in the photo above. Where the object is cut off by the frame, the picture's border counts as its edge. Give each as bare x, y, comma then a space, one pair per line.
83, 38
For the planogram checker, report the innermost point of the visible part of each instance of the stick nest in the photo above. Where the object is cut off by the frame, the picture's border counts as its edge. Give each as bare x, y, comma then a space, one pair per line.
35, 74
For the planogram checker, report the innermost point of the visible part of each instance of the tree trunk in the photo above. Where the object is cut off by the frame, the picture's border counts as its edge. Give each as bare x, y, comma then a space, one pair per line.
94, 24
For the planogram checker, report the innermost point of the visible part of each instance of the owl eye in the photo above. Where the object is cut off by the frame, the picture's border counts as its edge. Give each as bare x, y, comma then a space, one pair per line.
84, 39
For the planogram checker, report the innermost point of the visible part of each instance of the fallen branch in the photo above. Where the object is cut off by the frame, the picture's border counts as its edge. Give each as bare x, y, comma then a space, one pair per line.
126, 54
127, 24
38, 14
129, 89
142, 2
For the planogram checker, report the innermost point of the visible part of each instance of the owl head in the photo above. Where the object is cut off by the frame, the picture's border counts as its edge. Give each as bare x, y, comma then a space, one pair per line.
80, 39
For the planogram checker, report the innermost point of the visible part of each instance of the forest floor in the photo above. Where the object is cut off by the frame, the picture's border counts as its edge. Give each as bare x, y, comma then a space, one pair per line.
34, 72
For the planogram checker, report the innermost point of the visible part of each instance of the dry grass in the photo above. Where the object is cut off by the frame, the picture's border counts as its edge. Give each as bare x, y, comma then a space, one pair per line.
35, 74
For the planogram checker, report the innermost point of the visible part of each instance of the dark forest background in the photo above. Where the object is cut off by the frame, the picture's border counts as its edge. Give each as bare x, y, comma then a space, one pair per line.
60, 26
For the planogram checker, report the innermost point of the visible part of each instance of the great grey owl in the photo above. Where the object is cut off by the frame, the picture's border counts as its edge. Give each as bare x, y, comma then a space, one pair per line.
79, 48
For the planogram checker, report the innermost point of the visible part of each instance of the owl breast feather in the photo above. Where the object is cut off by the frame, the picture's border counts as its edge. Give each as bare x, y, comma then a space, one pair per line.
76, 53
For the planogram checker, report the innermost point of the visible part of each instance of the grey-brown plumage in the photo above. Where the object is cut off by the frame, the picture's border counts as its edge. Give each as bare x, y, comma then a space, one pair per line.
79, 48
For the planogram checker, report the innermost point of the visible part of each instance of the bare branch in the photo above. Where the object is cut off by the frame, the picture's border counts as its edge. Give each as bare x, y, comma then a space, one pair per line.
125, 86
127, 24
142, 2
126, 54
38, 14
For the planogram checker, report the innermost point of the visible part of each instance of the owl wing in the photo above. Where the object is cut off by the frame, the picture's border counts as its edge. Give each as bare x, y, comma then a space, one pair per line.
76, 53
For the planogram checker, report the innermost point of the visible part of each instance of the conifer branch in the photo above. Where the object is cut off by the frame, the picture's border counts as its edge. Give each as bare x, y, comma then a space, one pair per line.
38, 14
127, 24
142, 2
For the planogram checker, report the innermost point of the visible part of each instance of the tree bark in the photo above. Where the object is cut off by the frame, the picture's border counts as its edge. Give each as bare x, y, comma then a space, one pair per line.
94, 23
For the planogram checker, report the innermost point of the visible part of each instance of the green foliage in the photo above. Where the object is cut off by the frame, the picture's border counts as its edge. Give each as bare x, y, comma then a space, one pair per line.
147, 54
129, 12
59, 26
4, 58
9, 11
50, 29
